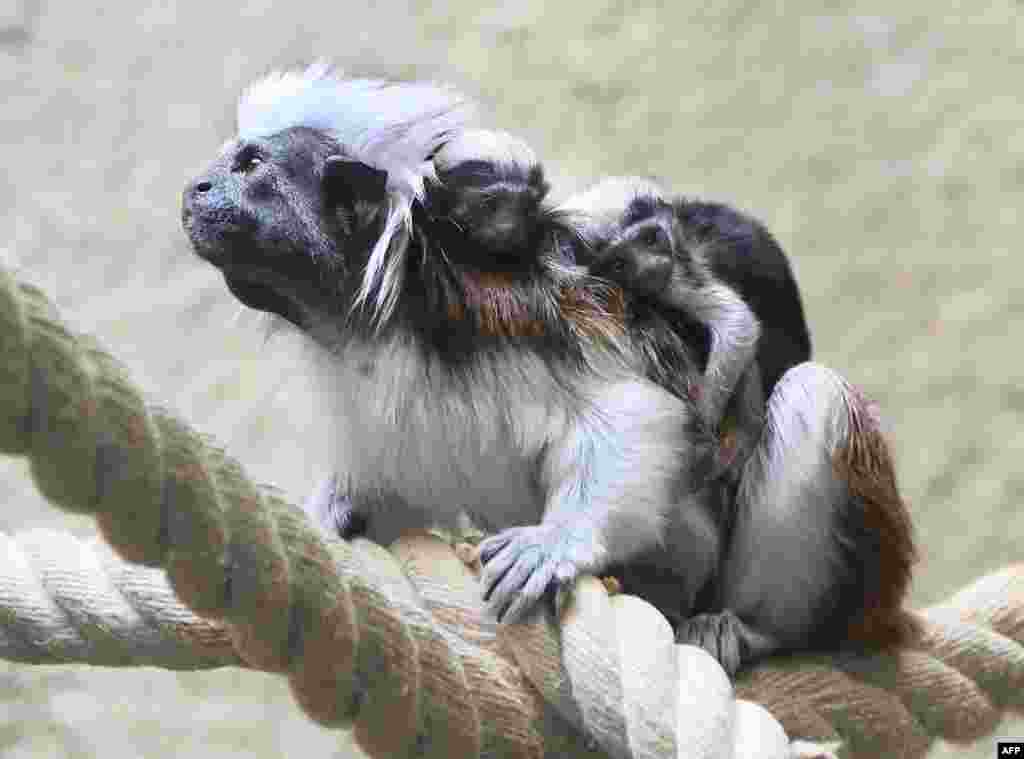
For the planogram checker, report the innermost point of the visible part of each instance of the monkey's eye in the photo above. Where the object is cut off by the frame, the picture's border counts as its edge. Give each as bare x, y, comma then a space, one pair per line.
618, 266
493, 201
652, 236
248, 159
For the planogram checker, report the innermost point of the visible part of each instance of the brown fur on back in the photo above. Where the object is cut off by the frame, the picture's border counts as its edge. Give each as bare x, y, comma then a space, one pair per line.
592, 316
504, 309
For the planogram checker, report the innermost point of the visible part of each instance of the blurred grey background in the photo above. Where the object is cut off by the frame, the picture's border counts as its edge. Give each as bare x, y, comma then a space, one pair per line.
882, 143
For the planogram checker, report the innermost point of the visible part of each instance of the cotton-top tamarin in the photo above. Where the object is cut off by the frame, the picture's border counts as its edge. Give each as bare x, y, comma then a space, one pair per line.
516, 393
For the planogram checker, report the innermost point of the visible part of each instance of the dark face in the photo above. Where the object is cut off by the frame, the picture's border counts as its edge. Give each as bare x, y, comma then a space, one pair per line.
494, 207
640, 260
277, 217
497, 218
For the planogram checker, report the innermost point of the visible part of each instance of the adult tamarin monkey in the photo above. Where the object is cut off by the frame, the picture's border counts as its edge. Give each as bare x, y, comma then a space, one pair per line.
817, 523
519, 397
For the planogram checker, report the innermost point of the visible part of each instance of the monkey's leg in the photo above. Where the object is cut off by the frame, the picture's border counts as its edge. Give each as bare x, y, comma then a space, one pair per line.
332, 510
611, 480
819, 526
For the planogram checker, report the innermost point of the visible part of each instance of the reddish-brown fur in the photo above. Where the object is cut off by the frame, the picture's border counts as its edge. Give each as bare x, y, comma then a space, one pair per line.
867, 466
592, 316
503, 310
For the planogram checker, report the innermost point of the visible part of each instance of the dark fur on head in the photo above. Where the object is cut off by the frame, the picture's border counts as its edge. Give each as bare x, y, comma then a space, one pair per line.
488, 201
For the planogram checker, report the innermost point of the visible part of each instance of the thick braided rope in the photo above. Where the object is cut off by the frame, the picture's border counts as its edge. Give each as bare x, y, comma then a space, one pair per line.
357, 640
65, 600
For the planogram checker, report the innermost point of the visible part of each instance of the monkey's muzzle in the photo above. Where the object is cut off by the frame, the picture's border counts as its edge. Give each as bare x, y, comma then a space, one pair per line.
222, 235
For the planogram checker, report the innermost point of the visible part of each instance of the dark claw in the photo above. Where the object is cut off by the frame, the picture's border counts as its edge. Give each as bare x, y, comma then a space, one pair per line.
331, 508
351, 524
513, 582
495, 563
718, 634
493, 582
490, 547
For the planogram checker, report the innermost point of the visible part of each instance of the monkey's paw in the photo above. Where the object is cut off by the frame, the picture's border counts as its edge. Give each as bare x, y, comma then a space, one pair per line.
522, 563
330, 508
718, 634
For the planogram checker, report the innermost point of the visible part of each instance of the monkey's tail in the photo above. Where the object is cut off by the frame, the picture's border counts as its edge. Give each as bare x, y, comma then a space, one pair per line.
887, 550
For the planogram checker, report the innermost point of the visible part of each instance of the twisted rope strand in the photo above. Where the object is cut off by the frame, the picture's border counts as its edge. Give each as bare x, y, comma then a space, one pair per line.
64, 600
396, 641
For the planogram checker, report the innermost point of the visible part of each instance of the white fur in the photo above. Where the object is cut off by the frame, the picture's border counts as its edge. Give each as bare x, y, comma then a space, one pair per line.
597, 209
783, 556
393, 126
511, 447
501, 148
734, 334
403, 431
390, 125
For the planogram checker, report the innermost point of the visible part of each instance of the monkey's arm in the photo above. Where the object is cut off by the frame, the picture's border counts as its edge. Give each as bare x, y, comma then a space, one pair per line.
822, 546
734, 333
610, 480
741, 424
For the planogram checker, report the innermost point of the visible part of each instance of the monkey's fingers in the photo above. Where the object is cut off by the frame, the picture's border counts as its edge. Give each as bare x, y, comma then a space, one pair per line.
540, 581
351, 524
518, 569
469, 555
718, 634
489, 547
496, 561
521, 587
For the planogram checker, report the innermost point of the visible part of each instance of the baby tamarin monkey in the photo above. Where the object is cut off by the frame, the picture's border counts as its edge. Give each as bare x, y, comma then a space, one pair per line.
487, 199
817, 545
654, 258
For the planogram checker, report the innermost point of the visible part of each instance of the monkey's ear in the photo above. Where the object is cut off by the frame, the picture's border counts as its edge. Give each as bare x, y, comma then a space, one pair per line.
347, 181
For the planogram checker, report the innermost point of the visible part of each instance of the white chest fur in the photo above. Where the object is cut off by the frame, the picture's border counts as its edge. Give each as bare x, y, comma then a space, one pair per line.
434, 442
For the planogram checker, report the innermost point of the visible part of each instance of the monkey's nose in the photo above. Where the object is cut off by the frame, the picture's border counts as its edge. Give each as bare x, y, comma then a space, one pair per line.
654, 277
196, 197
197, 188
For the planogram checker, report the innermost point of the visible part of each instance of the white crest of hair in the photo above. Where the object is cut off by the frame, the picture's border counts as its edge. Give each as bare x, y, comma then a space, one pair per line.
392, 126
596, 210
505, 150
